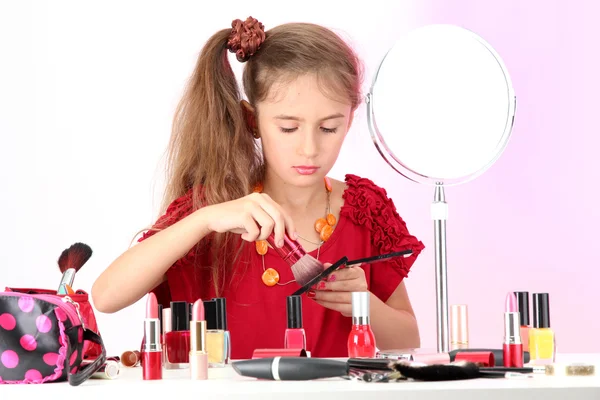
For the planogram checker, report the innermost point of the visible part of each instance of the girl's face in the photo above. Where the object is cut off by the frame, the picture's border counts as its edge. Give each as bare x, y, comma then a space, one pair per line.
302, 131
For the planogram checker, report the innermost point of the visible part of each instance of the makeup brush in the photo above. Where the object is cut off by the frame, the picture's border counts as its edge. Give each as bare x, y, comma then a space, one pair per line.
70, 261
304, 266
74, 257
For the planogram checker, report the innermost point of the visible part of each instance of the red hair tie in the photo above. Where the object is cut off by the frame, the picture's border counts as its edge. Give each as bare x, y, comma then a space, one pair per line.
245, 38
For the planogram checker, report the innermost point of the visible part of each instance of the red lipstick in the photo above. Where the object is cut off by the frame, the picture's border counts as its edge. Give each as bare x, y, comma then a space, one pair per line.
512, 347
198, 354
152, 350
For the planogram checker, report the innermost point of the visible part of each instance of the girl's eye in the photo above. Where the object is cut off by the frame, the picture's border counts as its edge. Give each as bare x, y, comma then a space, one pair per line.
327, 130
288, 130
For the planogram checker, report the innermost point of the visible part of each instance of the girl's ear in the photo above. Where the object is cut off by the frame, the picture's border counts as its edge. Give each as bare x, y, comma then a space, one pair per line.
249, 116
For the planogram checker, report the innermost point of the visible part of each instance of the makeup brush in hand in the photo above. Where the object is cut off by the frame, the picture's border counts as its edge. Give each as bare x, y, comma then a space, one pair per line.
304, 266
70, 261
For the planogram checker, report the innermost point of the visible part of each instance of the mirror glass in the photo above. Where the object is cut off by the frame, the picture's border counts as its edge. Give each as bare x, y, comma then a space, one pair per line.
441, 106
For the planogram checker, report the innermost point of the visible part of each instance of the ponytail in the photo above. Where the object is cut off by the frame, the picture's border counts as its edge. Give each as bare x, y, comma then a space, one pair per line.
212, 150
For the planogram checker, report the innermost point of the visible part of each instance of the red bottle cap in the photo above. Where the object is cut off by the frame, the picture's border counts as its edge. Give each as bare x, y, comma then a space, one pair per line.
269, 353
483, 358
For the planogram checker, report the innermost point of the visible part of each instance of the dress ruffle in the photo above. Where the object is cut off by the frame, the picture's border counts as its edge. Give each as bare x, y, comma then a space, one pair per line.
368, 205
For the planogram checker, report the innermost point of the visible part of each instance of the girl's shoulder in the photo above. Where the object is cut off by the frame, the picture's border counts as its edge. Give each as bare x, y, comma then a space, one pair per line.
368, 206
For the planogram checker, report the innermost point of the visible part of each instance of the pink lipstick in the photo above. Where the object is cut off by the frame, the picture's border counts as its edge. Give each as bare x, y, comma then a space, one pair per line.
512, 347
198, 354
306, 169
152, 350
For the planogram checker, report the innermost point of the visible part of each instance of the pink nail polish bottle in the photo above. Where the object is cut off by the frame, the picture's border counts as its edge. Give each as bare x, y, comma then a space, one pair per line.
295, 337
361, 340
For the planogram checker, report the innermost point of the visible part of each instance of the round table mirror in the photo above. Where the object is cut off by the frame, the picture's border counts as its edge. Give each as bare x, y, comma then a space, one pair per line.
440, 112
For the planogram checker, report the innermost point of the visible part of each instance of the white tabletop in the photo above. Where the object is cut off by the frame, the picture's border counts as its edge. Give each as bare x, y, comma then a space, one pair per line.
224, 383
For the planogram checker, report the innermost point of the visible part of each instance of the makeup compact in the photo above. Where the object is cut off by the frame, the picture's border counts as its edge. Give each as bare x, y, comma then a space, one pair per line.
425, 356
343, 262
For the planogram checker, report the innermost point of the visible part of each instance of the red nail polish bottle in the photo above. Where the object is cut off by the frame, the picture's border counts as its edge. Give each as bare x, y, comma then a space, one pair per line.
295, 337
177, 342
361, 341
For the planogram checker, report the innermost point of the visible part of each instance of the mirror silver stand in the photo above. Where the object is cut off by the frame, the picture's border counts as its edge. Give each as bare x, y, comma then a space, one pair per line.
440, 112
439, 214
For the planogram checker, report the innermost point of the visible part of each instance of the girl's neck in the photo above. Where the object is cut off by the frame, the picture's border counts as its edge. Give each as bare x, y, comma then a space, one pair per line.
292, 198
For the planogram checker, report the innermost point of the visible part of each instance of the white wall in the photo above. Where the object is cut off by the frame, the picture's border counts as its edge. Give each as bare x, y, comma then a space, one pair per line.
87, 92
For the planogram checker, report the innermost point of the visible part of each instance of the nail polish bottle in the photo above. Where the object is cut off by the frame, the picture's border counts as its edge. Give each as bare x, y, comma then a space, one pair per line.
542, 342
295, 337
523, 305
166, 328
459, 327
177, 342
222, 324
361, 341
218, 341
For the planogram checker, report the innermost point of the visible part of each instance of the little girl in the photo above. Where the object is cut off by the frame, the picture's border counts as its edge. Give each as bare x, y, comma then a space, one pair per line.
241, 170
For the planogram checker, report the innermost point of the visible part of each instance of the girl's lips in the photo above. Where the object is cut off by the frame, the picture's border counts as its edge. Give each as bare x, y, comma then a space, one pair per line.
306, 170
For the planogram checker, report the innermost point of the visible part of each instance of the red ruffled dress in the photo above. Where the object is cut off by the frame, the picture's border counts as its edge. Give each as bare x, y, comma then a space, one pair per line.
368, 225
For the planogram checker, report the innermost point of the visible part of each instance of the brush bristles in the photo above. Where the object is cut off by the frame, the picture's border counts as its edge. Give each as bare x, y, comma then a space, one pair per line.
74, 257
441, 372
306, 269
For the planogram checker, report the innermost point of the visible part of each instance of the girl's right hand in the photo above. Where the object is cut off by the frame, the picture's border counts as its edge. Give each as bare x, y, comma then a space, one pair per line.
254, 217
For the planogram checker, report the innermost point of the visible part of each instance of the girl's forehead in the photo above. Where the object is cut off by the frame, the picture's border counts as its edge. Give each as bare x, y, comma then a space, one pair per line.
303, 93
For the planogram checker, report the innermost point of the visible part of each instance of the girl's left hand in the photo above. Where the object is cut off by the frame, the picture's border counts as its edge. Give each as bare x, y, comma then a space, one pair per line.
336, 292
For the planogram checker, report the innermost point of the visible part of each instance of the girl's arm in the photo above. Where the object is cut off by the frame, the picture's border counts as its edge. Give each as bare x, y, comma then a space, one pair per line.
141, 268
393, 322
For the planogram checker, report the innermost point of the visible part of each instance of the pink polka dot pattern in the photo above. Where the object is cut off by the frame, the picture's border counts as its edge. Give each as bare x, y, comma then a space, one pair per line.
26, 304
73, 358
7, 321
33, 375
28, 342
60, 314
50, 358
9, 359
43, 324
73, 370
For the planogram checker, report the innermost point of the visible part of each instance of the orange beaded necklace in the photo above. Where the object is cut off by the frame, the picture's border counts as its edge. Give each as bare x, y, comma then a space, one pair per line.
323, 226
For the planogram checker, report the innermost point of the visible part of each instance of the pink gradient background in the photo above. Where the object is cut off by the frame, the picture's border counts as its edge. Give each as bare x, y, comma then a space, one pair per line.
531, 221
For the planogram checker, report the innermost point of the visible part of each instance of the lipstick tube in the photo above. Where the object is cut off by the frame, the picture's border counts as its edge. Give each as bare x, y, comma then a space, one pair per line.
152, 350
131, 359
198, 354
512, 349
110, 370
459, 327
